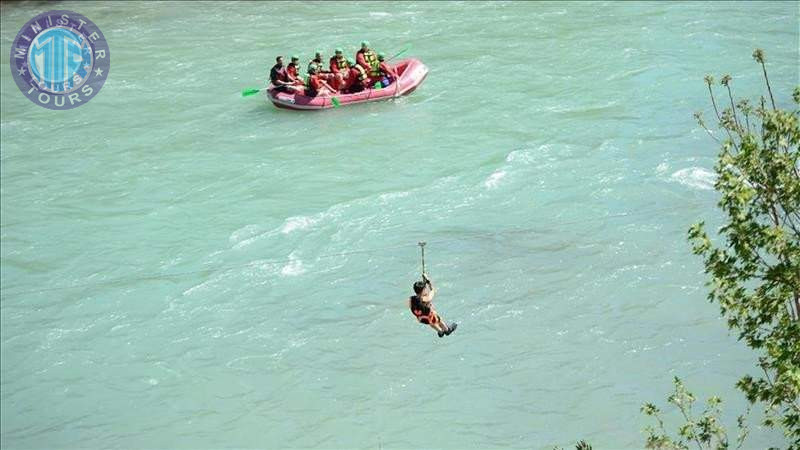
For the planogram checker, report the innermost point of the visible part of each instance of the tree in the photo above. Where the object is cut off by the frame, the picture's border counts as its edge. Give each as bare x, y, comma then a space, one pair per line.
754, 269
706, 431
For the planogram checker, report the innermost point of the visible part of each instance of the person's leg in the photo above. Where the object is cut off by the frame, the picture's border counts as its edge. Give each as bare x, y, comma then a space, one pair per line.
438, 329
445, 327
438, 325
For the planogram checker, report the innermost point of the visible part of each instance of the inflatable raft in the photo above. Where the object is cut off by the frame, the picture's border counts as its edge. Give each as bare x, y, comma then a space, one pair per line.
410, 72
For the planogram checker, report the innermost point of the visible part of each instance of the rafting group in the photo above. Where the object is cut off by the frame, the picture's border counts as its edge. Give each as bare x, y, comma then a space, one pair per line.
341, 76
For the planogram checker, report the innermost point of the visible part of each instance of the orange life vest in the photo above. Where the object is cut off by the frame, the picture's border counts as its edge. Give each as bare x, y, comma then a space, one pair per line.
341, 63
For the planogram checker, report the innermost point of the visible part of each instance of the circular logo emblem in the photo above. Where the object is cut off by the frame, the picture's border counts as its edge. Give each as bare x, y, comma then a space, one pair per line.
60, 59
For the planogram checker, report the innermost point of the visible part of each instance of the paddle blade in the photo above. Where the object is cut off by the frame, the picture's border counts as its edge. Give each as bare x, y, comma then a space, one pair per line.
335, 102
247, 92
408, 47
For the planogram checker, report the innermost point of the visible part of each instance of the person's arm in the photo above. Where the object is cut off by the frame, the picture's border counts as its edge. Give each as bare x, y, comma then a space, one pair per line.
427, 298
277, 80
392, 71
361, 61
431, 290
293, 75
328, 86
275, 77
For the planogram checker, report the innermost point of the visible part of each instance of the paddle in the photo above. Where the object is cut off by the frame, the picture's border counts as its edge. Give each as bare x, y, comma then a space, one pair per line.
408, 47
247, 92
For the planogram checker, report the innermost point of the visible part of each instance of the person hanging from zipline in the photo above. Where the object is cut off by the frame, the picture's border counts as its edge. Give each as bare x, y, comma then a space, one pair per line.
421, 303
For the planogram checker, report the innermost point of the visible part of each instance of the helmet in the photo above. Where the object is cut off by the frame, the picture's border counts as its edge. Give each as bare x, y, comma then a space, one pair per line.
294, 57
318, 52
351, 62
380, 56
338, 50
365, 43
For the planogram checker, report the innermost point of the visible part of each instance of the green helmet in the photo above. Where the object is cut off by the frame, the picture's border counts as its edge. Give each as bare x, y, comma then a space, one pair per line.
338, 50
351, 62
380, 56
294, 57
318, 52
364, 43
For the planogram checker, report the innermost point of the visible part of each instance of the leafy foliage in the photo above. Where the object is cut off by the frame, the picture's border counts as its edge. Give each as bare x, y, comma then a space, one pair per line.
755, 271
581, 445
706, 430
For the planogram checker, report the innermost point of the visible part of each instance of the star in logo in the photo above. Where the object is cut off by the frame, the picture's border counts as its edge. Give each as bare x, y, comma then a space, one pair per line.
21, 71
98, 72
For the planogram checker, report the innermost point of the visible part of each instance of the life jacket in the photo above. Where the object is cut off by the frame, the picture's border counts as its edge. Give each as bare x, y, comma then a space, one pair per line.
313, 85
291, 72
362, 74
341, 63
421, 311
372, 59
278, 73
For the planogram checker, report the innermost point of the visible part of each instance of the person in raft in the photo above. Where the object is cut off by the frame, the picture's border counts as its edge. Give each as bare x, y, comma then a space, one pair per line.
277, 75
319, 67
357, 80
317, 85
367, 59
340, 68
421, 305
388, 74
292, 72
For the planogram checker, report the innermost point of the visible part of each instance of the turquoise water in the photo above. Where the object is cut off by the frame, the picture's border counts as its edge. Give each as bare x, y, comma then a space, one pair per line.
185, 268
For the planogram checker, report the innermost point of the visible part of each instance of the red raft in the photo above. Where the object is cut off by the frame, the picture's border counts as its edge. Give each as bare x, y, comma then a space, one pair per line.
410, 72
